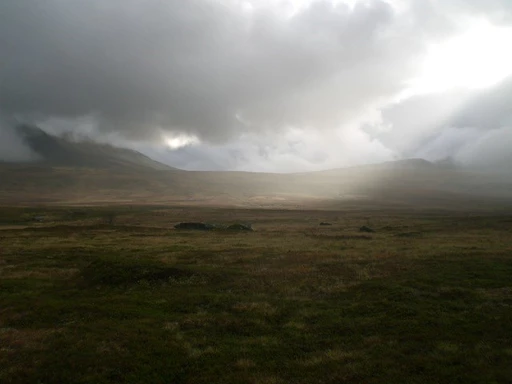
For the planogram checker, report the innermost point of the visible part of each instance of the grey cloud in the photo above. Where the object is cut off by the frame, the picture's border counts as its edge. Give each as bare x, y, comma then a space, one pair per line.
448, 143
130, 69
499, 11
473, 127
488, 109
198, 66
418, 120
489, 152
484, 150
295, 150
485, 123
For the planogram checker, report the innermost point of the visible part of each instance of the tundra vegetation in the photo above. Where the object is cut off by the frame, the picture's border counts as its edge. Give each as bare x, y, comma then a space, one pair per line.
118, 295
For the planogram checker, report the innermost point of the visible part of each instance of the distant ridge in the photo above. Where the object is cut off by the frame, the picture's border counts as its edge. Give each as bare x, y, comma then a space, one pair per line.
413, 163
84, 172
60, 151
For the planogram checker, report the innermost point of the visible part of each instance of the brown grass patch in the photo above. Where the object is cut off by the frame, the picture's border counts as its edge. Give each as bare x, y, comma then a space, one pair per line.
262, 308
337, 355
38, 273
12, 340
497, 293
245, 363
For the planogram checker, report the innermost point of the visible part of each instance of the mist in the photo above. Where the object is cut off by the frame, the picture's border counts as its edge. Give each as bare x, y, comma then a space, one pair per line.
12, 147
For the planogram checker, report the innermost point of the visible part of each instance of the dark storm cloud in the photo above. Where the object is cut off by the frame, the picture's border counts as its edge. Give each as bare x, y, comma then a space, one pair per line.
197, 66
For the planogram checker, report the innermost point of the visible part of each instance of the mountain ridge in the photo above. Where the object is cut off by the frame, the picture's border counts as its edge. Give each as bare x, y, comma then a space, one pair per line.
90, 173
53, 150
63, 151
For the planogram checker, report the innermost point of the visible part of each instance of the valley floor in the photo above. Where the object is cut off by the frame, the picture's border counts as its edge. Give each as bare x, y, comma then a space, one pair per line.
117, 295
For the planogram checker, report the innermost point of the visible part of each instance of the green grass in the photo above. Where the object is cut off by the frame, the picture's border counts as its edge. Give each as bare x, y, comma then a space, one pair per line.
86, 299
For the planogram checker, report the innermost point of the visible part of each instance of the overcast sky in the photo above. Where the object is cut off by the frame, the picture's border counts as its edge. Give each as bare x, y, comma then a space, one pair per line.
263, 85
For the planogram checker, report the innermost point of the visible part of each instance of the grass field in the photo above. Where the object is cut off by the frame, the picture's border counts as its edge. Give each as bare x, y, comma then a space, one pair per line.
116, 295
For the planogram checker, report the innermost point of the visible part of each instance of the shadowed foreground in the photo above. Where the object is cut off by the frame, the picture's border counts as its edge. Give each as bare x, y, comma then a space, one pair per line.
108, 295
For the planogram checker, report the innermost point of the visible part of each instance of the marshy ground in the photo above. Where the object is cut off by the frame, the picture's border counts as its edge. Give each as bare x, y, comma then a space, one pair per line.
117, 295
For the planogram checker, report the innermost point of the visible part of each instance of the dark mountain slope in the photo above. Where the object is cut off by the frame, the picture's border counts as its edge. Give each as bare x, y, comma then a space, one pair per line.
58, 151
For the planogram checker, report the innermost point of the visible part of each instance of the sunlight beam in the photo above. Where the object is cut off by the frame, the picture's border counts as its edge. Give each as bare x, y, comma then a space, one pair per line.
477, 59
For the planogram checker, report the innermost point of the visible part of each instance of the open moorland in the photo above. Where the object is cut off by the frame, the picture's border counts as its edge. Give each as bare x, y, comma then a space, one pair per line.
117, 295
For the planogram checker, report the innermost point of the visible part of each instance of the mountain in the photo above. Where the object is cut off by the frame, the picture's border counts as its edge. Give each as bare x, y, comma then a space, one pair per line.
71, 172
60, 151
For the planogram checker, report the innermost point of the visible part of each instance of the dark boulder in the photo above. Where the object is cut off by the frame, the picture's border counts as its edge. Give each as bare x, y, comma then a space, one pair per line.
409, 234
196, 226
240, 227
364, 228
325, 223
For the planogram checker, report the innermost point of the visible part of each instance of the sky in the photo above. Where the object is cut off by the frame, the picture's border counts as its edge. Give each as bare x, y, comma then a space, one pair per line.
263, 85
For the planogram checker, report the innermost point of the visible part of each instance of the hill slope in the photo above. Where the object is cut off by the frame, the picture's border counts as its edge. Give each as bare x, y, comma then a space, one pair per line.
58, 151
86, 172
